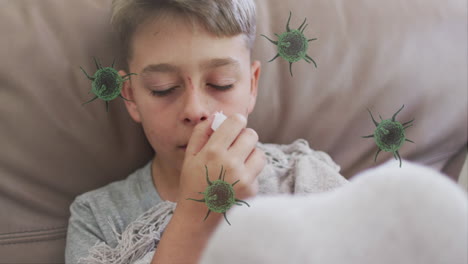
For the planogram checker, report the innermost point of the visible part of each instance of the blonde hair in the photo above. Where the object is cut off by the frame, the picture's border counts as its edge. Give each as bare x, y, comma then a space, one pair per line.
223, 18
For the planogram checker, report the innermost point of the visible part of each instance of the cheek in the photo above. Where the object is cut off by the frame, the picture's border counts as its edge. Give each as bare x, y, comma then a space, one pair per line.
159, 135
157, 122
236, 101
243, 92
150, 107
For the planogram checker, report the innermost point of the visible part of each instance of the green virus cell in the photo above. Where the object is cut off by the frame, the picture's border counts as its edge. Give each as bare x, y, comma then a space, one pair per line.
292, 45
390, 135
219, 196
106, 83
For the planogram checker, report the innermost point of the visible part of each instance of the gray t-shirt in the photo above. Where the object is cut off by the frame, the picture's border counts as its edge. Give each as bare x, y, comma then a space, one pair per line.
118, 203
97, 216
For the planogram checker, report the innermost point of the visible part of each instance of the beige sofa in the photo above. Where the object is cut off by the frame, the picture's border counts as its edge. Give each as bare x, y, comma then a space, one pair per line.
375, 54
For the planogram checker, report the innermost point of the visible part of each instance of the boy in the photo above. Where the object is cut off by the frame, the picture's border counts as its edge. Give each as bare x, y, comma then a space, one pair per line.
192, 58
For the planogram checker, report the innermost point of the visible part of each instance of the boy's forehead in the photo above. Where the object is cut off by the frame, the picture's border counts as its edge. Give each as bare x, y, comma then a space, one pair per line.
168, 24
176, 26
164, 40
207, 64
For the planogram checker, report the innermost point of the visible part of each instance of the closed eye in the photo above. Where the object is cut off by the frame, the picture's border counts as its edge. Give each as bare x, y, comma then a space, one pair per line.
221, 87
172, 89
164, 92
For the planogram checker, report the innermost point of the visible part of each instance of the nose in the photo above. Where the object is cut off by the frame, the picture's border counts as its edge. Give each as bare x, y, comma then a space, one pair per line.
195, 108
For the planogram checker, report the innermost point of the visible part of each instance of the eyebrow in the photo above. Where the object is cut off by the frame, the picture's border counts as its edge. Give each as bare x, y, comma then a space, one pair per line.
209, 64
219, 62
162, 67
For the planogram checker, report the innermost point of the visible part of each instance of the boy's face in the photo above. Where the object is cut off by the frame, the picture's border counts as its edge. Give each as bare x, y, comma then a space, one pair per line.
186, 74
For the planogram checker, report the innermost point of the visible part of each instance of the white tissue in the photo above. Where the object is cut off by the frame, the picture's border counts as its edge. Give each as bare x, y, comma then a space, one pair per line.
218, 120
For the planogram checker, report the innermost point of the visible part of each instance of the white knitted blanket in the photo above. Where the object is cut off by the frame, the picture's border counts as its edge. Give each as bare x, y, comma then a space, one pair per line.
293, 168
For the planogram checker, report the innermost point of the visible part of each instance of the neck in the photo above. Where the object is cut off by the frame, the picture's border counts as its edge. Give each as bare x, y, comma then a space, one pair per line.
166, 179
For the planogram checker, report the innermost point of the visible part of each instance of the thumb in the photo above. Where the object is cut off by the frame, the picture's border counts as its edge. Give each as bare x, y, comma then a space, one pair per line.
200, 135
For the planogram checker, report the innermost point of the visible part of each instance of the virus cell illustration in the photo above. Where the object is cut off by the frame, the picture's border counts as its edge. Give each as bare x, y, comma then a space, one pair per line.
390, 135
106, 83
219, 196
292, 45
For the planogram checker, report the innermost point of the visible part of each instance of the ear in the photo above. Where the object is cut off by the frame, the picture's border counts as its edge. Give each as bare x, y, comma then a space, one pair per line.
255, 70
128, 93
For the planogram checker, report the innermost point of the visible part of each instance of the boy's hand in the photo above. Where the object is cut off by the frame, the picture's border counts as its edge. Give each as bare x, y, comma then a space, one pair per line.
231, 146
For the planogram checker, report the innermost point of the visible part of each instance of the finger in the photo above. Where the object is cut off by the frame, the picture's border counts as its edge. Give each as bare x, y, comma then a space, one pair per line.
249, 192
244, 144
256, 162
200, 135
255, 186
227, 133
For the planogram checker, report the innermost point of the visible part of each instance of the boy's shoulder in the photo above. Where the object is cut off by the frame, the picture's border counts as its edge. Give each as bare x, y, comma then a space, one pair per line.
96, 215
134, 184
121, 199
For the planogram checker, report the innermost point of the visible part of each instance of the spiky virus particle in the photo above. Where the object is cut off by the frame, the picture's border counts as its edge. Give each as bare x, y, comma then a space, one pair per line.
292, 45
389, 135
219, 196
106, 83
